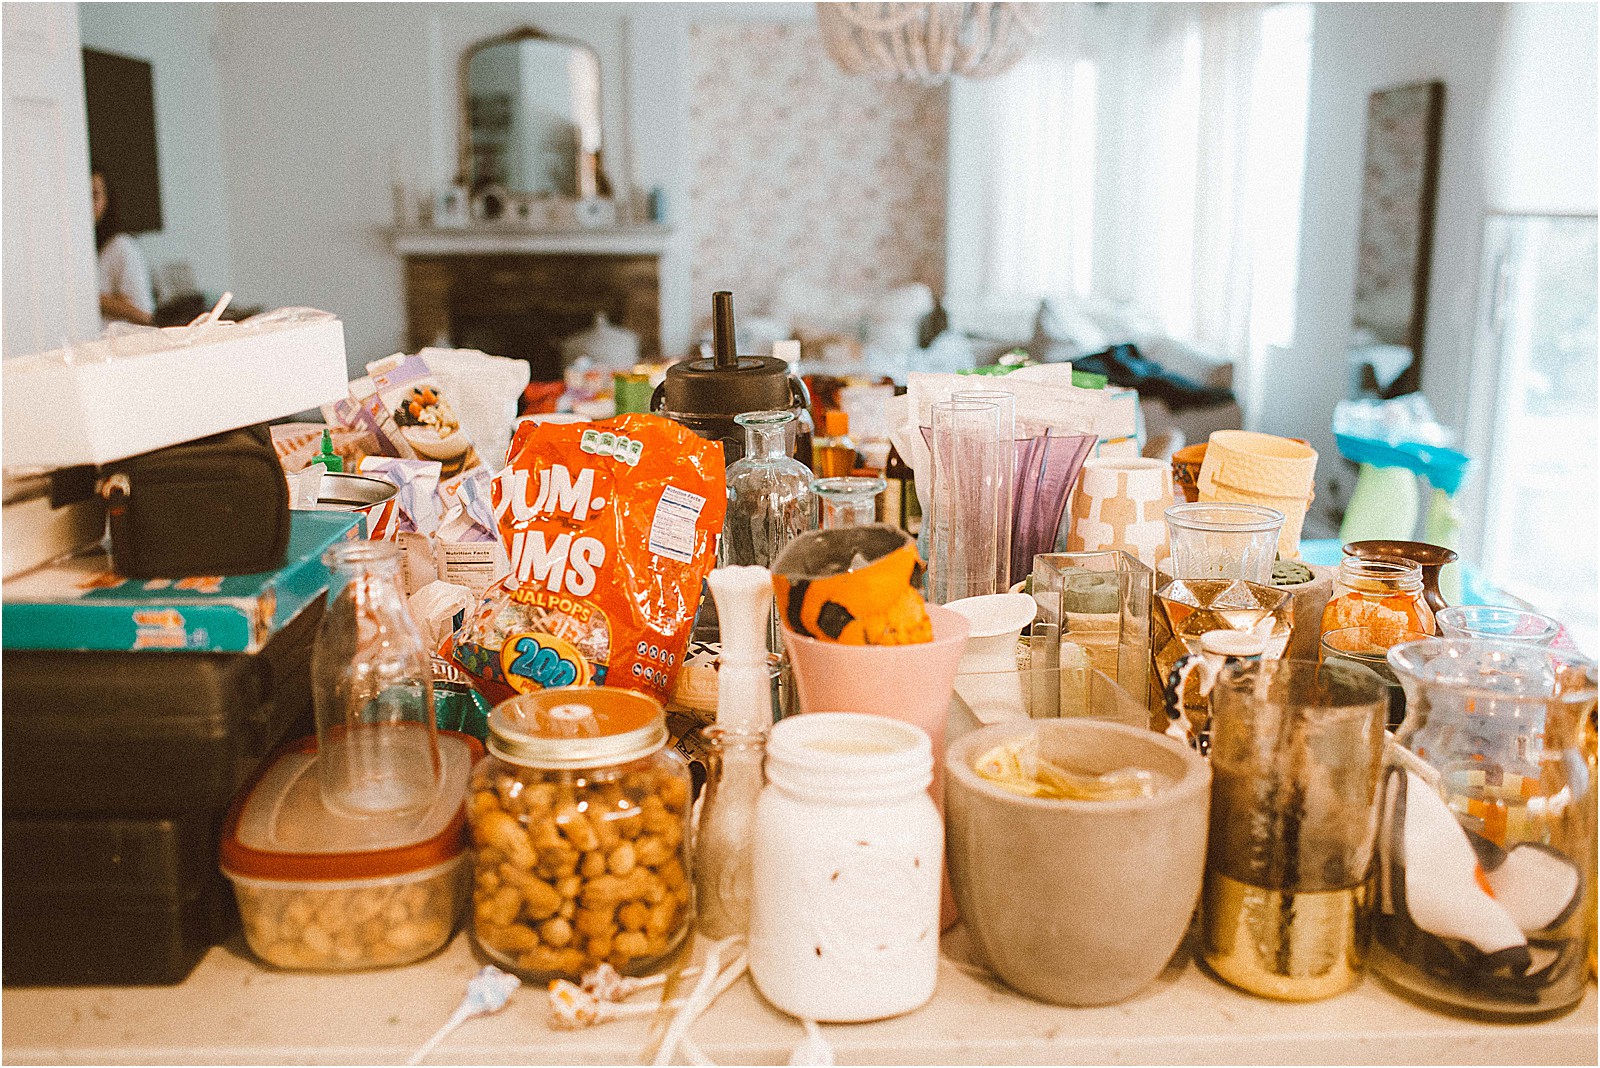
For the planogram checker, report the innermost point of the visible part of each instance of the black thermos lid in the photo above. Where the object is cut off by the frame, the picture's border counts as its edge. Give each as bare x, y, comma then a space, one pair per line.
726, 383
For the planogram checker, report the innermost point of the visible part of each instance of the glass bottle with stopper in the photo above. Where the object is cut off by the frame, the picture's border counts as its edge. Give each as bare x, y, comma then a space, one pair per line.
770, 500
738, 745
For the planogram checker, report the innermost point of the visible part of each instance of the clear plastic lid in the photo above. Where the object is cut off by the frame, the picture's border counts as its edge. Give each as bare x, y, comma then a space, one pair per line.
281, 829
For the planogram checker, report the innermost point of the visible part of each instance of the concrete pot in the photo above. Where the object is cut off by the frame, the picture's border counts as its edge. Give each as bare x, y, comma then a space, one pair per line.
1077, 902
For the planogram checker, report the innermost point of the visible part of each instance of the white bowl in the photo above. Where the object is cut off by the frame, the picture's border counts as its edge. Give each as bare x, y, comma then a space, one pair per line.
430, 446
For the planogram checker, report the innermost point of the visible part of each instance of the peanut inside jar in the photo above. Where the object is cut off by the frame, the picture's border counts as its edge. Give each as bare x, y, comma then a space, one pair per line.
578, 866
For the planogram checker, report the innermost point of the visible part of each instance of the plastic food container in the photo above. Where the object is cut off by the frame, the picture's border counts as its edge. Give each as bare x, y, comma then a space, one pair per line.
326, 892
580, 816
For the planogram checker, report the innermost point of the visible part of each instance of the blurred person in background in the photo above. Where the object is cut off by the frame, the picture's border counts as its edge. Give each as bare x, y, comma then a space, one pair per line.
125, 289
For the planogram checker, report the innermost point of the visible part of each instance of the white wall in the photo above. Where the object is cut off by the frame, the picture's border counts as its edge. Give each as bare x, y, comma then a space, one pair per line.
320, 102
178, 40
1356, 49
1542, 121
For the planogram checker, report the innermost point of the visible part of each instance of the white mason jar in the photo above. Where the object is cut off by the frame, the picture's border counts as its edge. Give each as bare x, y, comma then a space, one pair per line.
844, 920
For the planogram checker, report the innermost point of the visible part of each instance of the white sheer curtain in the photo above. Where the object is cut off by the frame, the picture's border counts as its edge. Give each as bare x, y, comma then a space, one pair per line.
1022, 177
1146, 154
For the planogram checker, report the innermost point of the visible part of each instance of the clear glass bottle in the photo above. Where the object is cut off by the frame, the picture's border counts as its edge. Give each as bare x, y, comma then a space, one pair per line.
769, 492
850, 501
372, 683
1384, 594
722, 871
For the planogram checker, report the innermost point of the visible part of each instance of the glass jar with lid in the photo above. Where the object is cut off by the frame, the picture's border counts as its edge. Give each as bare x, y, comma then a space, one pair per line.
580, 817
1384, 595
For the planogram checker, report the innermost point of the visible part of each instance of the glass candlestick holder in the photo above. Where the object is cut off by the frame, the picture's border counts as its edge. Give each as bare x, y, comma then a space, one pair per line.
848, 501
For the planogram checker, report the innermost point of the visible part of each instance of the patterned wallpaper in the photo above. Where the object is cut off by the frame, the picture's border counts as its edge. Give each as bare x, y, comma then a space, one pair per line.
830, 186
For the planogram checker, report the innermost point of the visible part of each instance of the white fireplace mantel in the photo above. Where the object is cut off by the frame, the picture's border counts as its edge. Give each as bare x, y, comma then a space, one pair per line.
644, 239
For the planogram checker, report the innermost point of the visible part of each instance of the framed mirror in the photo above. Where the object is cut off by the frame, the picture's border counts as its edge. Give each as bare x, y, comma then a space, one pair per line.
530, 116
1396, 237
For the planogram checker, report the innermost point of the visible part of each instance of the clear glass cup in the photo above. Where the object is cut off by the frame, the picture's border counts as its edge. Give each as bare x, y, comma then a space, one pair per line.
1100, 603
1498, 729
848, 501
972, 457
1496, 623
1369, 648
1296, 752
1223, 541
769, 492
372, 684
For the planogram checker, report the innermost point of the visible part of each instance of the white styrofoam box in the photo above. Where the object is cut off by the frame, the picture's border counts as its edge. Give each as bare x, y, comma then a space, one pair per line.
100, 407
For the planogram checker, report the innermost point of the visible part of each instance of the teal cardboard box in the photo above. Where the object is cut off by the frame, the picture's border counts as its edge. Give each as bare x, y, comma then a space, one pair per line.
80, 603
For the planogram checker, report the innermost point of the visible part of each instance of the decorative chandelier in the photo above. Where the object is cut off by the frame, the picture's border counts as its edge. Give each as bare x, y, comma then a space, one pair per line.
927, 43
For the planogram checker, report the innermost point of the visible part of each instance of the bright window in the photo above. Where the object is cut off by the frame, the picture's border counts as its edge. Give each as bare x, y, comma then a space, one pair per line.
1149, 156
1541, 522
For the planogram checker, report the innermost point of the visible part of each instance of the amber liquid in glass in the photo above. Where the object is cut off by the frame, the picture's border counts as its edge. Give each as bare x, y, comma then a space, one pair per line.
832, 461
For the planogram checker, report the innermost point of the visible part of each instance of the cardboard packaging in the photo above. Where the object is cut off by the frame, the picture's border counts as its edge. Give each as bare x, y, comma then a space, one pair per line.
80, 603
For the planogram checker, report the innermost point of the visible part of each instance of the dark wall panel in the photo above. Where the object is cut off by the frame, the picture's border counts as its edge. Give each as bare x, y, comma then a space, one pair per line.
120, 97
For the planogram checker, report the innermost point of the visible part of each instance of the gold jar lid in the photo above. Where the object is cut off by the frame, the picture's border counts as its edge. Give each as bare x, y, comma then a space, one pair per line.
577, 727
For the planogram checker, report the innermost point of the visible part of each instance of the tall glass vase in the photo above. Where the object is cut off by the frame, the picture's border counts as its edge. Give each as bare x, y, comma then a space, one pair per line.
972, 465
1005, 470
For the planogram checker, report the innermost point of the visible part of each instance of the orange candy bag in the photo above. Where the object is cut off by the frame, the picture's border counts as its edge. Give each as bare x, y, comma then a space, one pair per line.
610, 527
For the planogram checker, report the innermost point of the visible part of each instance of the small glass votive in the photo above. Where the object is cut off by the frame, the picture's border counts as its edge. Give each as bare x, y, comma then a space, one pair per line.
1223, 541
848, 500
1369, 648
1499, 624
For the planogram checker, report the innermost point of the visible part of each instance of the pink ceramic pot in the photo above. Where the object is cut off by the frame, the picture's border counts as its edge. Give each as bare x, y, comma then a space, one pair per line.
911, 683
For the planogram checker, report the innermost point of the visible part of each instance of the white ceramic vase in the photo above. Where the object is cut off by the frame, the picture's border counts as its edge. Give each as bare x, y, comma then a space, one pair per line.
1121, 503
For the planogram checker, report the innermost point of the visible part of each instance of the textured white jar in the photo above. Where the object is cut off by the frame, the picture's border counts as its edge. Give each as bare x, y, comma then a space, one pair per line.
847, 850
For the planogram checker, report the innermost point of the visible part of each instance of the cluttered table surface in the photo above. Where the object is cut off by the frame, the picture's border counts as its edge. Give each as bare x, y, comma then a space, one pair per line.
234, 1011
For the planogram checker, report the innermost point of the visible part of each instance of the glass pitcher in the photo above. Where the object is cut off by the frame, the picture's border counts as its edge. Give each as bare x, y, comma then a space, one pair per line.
1494, 922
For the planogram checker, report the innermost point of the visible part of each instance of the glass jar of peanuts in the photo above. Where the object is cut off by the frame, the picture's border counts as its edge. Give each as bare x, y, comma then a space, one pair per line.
580, 819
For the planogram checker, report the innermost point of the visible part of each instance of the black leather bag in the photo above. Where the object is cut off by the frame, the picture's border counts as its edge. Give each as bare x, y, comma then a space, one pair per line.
217, 506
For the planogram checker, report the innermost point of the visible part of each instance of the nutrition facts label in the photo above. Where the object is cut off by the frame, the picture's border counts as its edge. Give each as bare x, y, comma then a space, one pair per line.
672, 529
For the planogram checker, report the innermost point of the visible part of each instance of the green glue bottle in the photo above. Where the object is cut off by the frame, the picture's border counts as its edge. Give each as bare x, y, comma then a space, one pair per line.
330, 460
